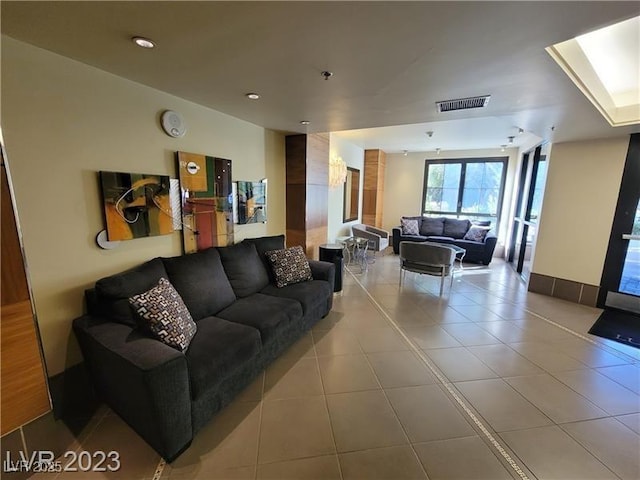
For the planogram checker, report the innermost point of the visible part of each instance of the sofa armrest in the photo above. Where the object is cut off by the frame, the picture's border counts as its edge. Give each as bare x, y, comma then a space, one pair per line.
490, 241
377, 231
323, 271
396, 232
143, 380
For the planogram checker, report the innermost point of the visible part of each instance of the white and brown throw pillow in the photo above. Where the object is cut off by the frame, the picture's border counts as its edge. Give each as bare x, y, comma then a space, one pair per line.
290, 265
409, 226
476, 233
165, 315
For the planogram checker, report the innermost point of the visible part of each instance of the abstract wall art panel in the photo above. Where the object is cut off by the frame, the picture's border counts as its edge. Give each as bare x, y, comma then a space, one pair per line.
136, 205
207, 201
250, 202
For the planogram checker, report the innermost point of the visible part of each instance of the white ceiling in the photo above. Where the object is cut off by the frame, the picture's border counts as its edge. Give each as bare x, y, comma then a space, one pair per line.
391, 62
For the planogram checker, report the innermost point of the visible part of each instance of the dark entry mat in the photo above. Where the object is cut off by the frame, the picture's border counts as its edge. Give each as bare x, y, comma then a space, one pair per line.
617, 325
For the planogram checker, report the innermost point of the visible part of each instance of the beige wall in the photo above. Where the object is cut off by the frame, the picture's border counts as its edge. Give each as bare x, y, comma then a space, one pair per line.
353, 156
580, 198
62, 122
404, 180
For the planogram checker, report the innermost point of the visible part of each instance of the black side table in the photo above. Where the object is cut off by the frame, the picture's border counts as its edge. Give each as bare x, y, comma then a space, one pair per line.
333, 252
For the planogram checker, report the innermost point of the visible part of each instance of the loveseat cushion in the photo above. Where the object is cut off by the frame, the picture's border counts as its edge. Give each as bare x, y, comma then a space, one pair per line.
265, 244
201, 281
310, 294
269, 314
245, 271
218, 348
163, 313
455, 228
113, 292
432, 226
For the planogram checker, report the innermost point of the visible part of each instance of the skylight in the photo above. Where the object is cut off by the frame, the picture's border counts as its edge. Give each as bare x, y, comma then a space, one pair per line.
605, 66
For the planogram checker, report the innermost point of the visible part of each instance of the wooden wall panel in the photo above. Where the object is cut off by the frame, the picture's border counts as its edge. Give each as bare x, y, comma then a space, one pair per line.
23, 388
307, 165
317, 160
373, 188
14, 281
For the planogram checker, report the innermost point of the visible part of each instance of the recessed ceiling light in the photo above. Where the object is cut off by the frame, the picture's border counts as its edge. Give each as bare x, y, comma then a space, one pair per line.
253, 96
143, 42
304, 122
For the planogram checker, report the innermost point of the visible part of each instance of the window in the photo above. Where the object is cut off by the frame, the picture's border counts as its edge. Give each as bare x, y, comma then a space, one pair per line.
471, 187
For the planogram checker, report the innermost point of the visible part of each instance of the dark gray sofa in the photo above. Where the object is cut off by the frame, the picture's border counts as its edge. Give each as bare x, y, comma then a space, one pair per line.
243, 322
449, 231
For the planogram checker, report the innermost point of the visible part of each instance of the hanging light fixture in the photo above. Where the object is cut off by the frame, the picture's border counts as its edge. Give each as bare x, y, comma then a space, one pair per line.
337, 171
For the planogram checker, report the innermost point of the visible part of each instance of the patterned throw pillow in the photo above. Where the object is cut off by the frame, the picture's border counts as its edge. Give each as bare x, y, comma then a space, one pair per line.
476, 233
409, 226
164, 313
290, 265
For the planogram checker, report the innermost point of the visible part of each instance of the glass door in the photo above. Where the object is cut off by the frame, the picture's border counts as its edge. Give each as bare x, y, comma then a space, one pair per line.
620, 283
630, 280
533, 174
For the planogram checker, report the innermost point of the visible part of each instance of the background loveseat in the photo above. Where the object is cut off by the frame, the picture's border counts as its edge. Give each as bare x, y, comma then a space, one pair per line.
243, 322
449, 231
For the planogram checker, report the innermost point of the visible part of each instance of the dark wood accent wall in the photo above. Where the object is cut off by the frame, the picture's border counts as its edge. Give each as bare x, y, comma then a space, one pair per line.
373, 190
307, 172
23, 387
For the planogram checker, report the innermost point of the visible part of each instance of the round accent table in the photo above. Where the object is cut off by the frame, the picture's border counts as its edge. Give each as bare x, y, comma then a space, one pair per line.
333, 252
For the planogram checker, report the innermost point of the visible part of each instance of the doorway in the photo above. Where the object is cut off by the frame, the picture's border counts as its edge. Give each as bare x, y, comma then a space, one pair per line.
620, 284
531, 181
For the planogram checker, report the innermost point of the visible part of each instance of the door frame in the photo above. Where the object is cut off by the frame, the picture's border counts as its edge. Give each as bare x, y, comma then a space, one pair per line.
622, 222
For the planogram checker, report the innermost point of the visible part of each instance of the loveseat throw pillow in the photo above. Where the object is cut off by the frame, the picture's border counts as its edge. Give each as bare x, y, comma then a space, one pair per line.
409, 226
476, 233
164, 314
290, 265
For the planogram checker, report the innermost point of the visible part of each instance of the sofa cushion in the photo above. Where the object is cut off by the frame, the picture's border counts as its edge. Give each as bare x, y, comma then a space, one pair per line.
432, 226
163, 313
113, 292
267, 313
410, 226
245, 271
201, 281
309, 294
476, 234
217, 349
289, 265
455, 228
265, 244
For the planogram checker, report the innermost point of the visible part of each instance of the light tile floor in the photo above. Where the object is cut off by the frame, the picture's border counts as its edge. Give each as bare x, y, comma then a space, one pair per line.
487, 382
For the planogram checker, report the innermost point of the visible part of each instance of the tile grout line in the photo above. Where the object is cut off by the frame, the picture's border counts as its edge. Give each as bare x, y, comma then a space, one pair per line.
447, 385
606, 348
404, 430
262, 393
326, 404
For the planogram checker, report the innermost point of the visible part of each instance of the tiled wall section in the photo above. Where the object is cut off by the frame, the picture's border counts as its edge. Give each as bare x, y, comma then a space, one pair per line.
565, 289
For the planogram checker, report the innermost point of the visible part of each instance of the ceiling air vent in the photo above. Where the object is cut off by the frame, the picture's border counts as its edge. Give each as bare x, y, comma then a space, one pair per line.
463, 103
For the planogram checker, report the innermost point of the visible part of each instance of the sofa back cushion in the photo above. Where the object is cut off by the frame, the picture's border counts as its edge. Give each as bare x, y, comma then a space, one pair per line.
244, 268
455, 228
431, 226
201, 281
266, 244
113, 292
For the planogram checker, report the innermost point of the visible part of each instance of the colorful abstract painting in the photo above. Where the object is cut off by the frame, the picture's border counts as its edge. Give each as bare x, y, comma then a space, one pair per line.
136, 205
206, 196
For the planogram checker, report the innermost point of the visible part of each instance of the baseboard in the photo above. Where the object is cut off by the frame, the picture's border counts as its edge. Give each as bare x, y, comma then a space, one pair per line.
569, 290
